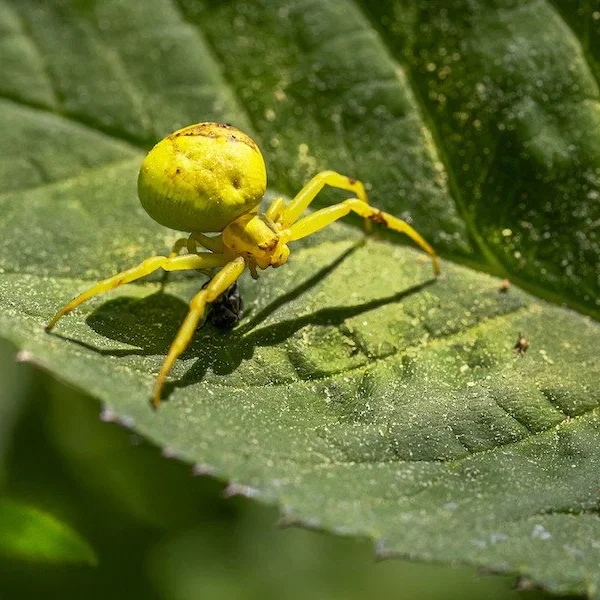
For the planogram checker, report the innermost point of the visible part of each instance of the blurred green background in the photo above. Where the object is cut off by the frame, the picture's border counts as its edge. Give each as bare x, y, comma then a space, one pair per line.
161, 532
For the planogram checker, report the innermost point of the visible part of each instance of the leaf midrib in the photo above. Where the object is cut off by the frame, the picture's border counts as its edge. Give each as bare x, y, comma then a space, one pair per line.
493, 263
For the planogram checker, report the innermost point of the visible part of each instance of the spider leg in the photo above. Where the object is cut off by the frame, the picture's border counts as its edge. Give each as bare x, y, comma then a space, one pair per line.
324, 217
177, 247
218, 284
308, 193
214, 243
275, 209
206, 260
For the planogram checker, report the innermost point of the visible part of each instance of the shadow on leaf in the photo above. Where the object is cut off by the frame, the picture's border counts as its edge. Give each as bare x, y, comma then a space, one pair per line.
151, 323
227, 352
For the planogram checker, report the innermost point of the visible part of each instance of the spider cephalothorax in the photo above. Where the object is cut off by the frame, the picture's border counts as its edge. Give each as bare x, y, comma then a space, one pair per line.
258, 239
210, 178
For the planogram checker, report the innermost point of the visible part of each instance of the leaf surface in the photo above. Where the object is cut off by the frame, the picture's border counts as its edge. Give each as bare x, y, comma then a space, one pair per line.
358, 393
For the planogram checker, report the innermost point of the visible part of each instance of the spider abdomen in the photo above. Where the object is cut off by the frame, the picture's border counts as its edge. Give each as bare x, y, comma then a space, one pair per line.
202, 177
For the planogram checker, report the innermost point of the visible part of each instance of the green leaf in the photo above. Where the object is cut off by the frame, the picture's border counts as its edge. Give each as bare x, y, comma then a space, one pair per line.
16, 386
30, 534
358, 394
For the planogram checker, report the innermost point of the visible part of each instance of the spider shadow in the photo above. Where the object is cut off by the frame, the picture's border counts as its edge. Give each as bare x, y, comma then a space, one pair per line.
150, 324
225, 358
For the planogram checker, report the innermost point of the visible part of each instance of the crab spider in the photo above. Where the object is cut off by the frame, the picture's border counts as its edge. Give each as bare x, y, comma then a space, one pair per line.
211, 177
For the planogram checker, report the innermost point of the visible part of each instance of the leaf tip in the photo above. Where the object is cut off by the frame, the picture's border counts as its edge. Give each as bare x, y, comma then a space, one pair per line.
27, 357
200, 470
170, 453
382, 553
525, 584
237, 489
287, 519
107, 415
24, 356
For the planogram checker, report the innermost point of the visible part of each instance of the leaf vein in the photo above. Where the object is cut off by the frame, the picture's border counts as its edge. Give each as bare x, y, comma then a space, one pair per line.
110, 133
583, 47
42, 62
368, 364
429, 123
474, 453
522, 423
82, 174
225, 84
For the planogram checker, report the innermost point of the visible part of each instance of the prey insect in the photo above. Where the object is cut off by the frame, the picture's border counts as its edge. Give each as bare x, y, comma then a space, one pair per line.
210, 178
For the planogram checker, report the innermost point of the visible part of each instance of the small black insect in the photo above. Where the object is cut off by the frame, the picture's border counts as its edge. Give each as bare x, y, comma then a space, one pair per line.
227, 310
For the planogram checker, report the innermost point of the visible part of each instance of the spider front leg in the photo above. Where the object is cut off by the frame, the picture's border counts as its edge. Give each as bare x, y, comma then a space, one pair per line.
324, 217
307, 194
275, 210
218, 284
204, 260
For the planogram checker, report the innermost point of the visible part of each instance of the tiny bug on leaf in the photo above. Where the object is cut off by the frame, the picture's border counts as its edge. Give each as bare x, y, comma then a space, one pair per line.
227, 310
522, 344
210, 178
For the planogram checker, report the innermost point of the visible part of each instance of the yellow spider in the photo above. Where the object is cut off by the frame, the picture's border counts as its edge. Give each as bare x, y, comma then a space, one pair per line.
211, 177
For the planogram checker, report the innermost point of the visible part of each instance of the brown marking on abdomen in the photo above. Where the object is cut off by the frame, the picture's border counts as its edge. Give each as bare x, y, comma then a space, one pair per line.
216, 130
